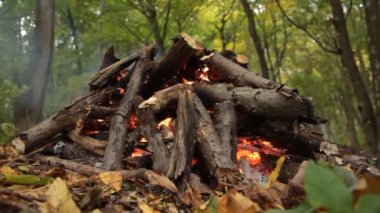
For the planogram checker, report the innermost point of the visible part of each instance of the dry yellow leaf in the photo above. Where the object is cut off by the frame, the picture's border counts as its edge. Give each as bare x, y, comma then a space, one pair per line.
7, 171
145, 208
59, 199
236, 202
276, 171
112, 179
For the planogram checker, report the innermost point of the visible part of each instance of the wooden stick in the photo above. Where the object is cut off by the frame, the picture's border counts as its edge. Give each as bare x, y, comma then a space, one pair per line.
103, 76
100, 111
184, 47
90, 144
183, 150
148, 127
213, 154
66, 119
115, 148
225, 124
108, 58
132, 175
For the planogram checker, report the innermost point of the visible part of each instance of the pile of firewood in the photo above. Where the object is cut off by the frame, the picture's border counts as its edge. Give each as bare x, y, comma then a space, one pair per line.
193, 111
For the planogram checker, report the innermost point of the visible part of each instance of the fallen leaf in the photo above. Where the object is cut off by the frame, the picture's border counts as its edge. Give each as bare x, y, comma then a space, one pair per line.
7, 171
112, 179
145, 208
162, 181
236, 202
276, 171
59, 199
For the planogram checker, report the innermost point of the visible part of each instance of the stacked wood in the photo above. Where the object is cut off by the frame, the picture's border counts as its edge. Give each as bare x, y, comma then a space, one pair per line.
208, 117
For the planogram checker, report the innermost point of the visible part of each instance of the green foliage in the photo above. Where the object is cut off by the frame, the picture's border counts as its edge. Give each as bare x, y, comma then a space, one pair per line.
330, 188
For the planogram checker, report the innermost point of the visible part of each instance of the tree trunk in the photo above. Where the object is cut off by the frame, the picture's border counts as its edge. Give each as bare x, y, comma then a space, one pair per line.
348, 60
372, 16
255, 38
29, 106
74, 35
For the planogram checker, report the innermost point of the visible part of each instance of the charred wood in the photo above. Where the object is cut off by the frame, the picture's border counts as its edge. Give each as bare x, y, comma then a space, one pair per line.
109, 58
184, 47
115, 148
64, 120
225, 126
90, 144
212, 152
182, 152
147, 126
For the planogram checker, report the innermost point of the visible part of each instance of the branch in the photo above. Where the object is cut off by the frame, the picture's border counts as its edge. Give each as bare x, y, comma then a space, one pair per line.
314, 38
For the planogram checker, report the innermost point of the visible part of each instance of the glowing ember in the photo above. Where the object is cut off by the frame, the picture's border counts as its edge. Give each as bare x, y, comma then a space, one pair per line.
143, 140
194, 161
138, 152
185, 81
133, 121
253, 158
91, 132
166, 122
120, 90
100, 120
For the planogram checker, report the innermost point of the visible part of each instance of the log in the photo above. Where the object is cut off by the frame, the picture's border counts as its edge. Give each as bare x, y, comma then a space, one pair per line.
116, 143
236, 74
212, 152
164, 97
225, 125
259, 103
90, 144
109, 58
148, 128
101, 79
183, 150
184, 47
66, 119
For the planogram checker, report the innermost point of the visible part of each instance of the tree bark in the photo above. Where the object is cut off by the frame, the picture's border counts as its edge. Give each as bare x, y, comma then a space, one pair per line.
348, 60
372, 17
74, 35
255, 38
29, 106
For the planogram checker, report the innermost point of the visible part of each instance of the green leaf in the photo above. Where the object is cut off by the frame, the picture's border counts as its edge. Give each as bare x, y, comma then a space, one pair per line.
368, 204
9, 129
324, 188
27, 180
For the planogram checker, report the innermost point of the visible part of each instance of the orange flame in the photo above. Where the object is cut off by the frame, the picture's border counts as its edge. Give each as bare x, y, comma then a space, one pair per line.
133, 121
253, 158
166, 122
185, 81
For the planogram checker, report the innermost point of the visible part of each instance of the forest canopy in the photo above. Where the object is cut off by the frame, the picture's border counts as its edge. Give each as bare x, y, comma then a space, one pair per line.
329, 50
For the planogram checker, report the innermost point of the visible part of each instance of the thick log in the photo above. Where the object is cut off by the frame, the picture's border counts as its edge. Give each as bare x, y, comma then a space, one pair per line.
164, 97
108, 58
182, 152
212, 152
184, 47
225, 125
233, 72
115, 148
90, 144
104, 75
148, 128
64, 120
259, 103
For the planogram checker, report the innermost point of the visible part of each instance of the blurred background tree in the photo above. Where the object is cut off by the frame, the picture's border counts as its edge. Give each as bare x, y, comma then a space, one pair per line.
329, 50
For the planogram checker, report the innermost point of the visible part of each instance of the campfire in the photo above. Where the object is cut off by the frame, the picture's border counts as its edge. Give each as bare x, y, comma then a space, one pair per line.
194, 112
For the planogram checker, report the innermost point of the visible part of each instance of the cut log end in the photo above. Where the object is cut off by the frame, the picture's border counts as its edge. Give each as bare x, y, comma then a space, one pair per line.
19, 144
190, 41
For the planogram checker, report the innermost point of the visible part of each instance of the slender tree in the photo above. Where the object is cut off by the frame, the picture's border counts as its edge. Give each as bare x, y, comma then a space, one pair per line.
29, 106
255, 38
348, 60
